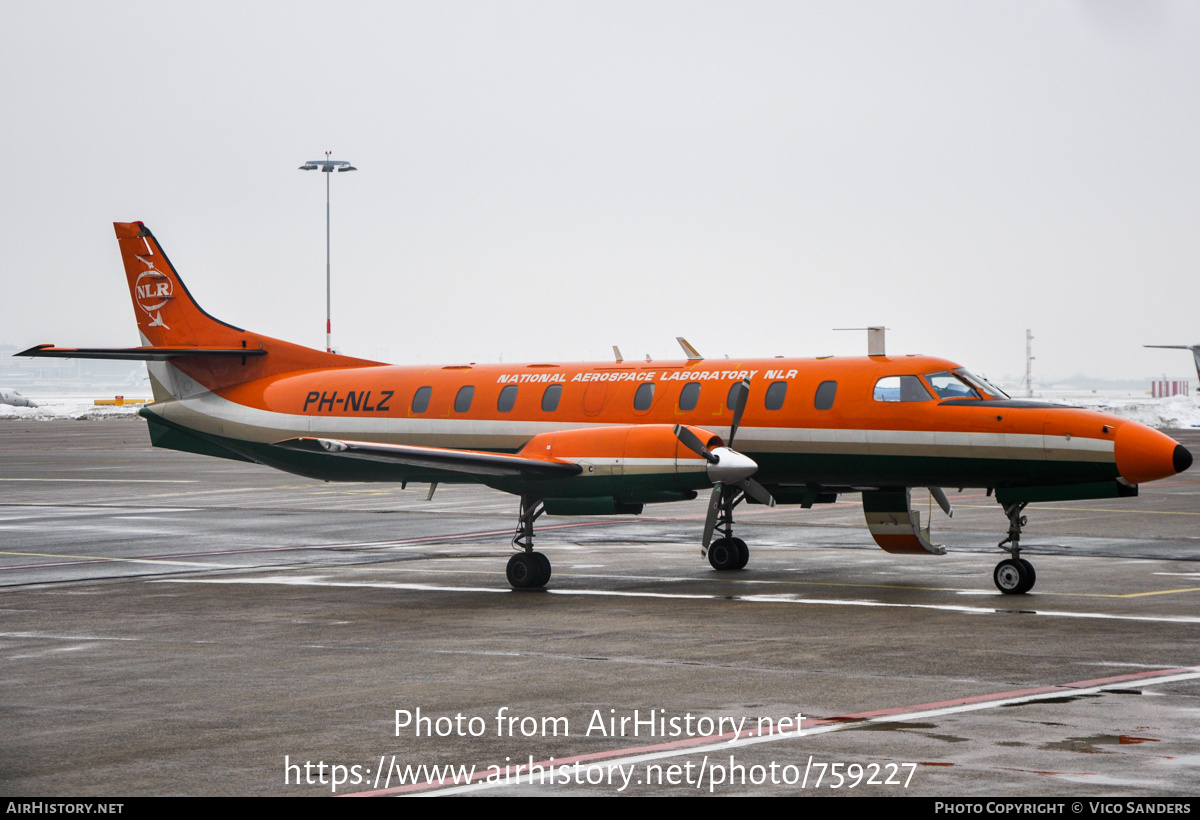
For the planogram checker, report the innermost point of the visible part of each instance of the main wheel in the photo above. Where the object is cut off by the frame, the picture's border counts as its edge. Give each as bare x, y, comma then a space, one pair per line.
1012, 577
743, 553
723, 554
524, 571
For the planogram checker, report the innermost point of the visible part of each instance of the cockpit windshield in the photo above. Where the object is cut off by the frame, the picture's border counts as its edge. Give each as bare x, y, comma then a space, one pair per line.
947, 385
962, 384
983, 385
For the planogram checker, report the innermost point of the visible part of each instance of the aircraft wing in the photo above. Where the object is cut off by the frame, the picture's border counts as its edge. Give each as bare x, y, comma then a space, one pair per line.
472, 462
137, 354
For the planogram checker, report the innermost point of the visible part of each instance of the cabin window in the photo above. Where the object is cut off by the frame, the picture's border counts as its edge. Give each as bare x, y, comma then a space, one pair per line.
689, 396
901, 389
826, 393
508, 398
421, 399
731, 399
776, 393
462, 401
644, 396
550, 398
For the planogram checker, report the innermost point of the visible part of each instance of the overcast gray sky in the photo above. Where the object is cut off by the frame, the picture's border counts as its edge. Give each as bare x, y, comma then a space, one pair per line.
542, 180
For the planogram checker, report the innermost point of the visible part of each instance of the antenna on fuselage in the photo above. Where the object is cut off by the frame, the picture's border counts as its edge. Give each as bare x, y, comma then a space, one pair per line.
692, 354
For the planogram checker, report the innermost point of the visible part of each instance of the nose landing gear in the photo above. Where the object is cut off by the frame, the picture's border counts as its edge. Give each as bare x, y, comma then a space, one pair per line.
528, 569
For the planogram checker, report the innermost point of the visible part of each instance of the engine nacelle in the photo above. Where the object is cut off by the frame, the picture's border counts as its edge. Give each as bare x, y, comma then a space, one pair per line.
623, 467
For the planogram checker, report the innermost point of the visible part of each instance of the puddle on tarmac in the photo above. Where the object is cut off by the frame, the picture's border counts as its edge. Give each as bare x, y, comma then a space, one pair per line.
1059, 701
1089, 745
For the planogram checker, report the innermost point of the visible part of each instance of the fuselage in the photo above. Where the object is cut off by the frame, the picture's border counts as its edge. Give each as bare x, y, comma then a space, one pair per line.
826, 422
12, 397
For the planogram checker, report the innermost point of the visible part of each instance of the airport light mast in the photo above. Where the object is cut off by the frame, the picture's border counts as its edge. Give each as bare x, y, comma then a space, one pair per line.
327, 166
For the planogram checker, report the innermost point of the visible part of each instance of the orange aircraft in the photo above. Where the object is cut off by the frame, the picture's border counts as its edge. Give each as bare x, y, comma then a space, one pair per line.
608, 438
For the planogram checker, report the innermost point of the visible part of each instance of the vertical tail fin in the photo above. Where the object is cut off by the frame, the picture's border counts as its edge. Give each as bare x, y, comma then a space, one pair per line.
186, 349
167, 315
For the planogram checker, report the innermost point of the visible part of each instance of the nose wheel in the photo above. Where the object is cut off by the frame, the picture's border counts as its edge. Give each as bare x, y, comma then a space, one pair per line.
1015, 575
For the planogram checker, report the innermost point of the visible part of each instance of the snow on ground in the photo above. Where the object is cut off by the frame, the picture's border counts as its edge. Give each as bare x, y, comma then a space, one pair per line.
1172, 413
52, 408
1175, 412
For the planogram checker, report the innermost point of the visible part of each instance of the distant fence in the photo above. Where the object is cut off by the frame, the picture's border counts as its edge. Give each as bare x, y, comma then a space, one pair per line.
1163, 388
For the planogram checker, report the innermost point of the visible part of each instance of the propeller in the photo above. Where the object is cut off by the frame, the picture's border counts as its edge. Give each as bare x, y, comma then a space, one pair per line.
727, 468
691, 441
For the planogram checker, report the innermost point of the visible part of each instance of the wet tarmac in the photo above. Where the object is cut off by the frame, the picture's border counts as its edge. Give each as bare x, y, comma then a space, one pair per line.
174, 624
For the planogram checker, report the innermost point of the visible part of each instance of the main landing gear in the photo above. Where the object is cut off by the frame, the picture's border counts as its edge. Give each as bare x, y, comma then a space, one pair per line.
528, 569
727, 552
1015, 575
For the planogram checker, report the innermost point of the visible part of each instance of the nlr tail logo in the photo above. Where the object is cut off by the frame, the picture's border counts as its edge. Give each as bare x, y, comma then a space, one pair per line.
152, 291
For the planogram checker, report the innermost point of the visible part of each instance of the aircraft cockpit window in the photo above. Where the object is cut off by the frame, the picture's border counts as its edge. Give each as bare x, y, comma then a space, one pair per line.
981, 384
826, 393
949, 386
508, 399
550, 398
689, 396
462, 401
901, 388
421, 399
644, 397
775, 395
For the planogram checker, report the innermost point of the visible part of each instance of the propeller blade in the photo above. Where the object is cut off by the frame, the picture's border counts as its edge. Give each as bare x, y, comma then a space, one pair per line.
691, 441
939, 495
739, 406
757, 491
710, 522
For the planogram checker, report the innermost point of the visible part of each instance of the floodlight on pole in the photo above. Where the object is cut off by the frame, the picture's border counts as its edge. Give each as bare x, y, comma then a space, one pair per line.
327, 166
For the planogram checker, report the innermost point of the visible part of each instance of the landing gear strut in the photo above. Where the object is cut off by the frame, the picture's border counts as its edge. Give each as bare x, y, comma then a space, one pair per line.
1014, 576
528, 569
727, 552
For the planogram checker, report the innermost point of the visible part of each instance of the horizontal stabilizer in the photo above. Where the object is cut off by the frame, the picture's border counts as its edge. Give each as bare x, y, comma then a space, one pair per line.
137, 354
471, 462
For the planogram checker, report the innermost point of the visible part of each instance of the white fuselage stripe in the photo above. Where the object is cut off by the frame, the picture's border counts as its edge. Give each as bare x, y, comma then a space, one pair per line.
212, 414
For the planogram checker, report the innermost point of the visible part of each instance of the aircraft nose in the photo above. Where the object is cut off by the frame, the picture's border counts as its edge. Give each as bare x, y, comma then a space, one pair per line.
1145, 455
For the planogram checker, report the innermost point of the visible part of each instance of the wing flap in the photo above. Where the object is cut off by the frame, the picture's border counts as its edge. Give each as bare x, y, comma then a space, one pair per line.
471, 462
